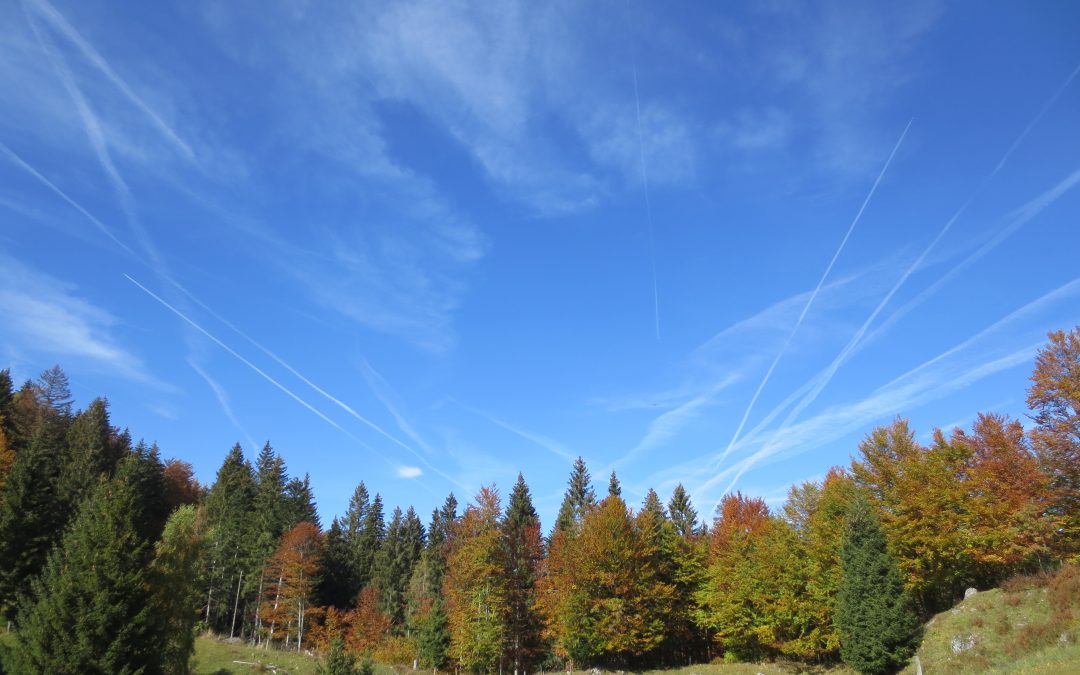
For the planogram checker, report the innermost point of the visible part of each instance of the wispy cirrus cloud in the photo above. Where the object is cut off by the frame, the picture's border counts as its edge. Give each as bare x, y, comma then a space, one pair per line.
45, 315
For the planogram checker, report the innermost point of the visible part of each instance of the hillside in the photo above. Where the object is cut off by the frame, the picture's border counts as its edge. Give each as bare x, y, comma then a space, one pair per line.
1029, 625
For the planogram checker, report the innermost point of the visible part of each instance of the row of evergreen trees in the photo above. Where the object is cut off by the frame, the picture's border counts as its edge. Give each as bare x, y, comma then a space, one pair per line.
111, 560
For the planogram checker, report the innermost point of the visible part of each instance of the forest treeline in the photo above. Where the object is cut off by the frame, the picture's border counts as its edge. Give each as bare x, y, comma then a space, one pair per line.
111, 559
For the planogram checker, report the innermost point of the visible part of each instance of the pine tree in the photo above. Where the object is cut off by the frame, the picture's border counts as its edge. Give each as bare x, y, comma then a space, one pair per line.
879, 629
683, 515
427, 613
32, 518
338, 661
522, 558
55, 390
579, 497
394, 565
94, 611
614, 488
300, 503
335, 586
367, 544
229, 508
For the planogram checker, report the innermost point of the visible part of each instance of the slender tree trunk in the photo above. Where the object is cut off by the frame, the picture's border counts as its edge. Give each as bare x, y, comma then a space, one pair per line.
258, 606
236, 604
210, 593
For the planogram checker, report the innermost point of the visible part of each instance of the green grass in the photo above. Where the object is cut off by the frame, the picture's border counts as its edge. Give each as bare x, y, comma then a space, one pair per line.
1011, 634
217, 657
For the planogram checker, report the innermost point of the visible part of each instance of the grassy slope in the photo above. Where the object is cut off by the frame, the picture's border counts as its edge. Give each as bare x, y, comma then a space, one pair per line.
1010, 635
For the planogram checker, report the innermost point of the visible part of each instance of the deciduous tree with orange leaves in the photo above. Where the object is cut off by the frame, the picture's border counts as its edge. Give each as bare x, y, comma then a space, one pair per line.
1054, 400
286, 599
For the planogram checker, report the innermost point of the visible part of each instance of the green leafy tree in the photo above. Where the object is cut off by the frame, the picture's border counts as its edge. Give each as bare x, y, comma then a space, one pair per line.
475, 587
176, 594
879, 628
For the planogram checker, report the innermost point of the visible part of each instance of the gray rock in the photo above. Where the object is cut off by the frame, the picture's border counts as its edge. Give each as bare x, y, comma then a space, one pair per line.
969, 592
961, 644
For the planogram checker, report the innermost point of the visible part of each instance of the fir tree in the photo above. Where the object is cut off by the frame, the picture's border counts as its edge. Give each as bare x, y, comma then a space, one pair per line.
683, 515
93, 609
300, 503
522, 557
32, 518
614, 488
365, 547
879, 629
336, 583
93, 450
55, 390
338, 661
229, 507
579, 497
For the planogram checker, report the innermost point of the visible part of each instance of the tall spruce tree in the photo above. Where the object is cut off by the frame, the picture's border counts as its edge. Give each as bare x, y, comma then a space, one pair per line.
367, 544
427, 618
683, 515
300, 503
879, 628
229, 507
32, 518
394, 565
522, 557
579, 497
93, 609
335, 585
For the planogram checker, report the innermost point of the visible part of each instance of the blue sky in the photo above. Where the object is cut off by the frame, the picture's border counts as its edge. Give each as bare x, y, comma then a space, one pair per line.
429, 245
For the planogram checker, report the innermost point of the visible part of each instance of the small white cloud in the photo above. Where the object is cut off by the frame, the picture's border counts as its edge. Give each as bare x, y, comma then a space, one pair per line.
409, 472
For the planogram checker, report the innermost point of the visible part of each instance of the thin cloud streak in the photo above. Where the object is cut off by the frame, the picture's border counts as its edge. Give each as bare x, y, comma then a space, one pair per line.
61, 25
548, 444
1034, 121
260, 372
1024, 214
644, 178
22, 164
377, 383
778, 441
810, 301
223, 399
341, 404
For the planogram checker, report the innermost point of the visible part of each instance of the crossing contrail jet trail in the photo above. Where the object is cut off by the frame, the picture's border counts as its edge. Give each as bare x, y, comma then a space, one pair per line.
810, 301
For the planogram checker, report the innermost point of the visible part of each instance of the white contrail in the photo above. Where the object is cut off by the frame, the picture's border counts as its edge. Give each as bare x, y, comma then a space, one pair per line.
1034, 121
95, 134
644, 178
277, 359
1065, 291
1028, 212
252, 366
22, 164
544, 442
810, 300
61, 25
223, 399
